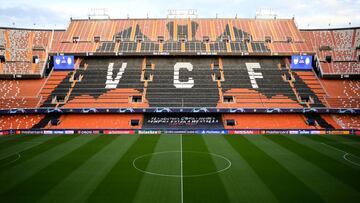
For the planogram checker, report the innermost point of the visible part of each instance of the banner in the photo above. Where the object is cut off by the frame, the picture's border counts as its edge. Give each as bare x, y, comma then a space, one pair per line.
299, 62
63, 62
182, 121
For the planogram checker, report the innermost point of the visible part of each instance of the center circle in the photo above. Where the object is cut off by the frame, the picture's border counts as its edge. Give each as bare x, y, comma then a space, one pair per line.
193, 164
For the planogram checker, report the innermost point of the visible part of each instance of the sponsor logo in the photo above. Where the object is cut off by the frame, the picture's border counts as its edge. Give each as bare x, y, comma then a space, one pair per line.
304, 132
244, 132
48, 132
88, 132
212, 132
119, 132
337, 132
149, 132
4, 132
34, 132
69, 132
276, 132
179, 132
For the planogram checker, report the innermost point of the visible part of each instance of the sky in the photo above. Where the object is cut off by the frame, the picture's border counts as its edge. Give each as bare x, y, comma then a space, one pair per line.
55, 14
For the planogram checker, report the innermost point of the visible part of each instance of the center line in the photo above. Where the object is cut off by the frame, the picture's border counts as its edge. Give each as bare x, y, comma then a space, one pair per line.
181, 172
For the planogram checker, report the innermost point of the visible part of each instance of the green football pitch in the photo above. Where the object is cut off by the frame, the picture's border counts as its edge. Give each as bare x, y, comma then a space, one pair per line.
180, 168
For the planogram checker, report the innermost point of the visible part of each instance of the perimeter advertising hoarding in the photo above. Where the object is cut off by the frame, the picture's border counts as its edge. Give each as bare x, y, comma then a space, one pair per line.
299, 62
181, 131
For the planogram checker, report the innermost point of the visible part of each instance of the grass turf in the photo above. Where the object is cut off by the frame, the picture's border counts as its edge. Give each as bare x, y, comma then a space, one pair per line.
174, 168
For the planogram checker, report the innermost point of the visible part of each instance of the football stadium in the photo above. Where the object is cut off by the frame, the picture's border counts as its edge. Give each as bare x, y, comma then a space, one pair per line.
180, 109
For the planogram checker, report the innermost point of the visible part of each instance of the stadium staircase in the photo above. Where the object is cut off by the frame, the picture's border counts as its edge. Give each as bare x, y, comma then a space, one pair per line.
45, 121
319, 121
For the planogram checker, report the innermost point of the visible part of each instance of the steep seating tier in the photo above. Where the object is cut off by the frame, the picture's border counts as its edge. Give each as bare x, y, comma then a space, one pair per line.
342, 93
20, 93
178, 82
337, 50
349, 121
201, 93
25, 51
19, 121
191, 36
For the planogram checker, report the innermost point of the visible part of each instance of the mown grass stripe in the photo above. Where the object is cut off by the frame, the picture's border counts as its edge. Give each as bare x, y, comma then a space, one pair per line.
203, 188
284, 185
332, 165
4, 138
7, 139
82, 182
325, 149
19, 147
352, 137
313, 176
152, 188
240, 181
344, 140
50, 176
344, 147
121, 183
36, 149
20, 143
28, 168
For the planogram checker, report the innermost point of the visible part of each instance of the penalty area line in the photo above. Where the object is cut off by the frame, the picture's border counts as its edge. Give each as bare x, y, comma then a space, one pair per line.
345, 154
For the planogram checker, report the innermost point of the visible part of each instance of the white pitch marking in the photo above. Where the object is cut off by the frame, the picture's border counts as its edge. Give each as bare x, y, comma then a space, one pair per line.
181, 171
345, 154
186, 176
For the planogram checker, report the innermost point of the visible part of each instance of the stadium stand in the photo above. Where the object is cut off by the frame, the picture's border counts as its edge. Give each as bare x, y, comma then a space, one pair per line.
342, 93
348, 122
19, 121
98, 121
280, 121
20, 93
24, 51
162, 64
160, 90
180, 35
337, 50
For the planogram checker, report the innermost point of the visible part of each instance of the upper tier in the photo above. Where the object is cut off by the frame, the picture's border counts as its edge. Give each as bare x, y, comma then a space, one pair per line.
193, 36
